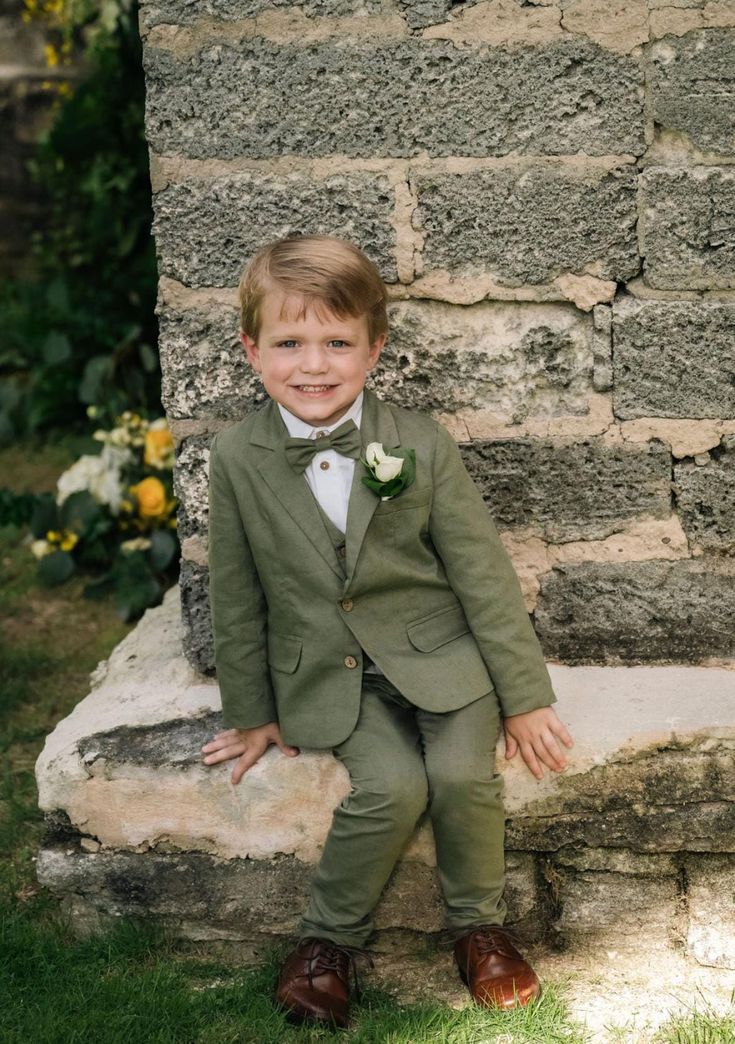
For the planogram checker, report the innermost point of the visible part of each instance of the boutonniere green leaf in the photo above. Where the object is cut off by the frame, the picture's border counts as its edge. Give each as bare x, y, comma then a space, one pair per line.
389, 471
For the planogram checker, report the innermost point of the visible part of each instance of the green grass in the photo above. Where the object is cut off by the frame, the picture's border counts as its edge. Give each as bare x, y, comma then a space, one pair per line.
702, 1025
129, 985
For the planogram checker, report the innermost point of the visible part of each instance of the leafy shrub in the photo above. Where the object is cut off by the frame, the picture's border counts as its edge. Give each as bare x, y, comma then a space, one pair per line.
84, 329
114, 516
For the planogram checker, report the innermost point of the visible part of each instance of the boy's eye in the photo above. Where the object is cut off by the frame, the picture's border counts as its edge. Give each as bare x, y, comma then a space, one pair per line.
338, 343
286, 344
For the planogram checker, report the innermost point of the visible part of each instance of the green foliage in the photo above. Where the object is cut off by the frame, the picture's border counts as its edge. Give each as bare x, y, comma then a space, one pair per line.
15, 508
84, 330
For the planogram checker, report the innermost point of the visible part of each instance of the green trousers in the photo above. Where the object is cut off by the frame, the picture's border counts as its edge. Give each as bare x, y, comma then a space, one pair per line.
402, 759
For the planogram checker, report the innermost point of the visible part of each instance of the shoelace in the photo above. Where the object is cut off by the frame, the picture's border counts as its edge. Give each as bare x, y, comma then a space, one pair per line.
492, 939
331, 956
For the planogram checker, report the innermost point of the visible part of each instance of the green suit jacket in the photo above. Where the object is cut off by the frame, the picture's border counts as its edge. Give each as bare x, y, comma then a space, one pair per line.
426, 587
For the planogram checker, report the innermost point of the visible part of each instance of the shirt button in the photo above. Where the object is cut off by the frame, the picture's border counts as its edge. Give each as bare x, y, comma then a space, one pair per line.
322, 434
347, 604
350, 661
324, 465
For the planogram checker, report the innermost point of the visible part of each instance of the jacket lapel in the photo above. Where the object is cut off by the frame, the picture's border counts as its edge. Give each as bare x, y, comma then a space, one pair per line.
376, 425
290, 488
294, 494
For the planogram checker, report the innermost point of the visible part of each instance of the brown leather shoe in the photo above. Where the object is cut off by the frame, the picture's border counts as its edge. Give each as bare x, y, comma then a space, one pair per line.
493, 969
314, 984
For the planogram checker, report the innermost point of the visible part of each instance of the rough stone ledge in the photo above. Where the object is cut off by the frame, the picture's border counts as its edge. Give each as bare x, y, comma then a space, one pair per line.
643, 820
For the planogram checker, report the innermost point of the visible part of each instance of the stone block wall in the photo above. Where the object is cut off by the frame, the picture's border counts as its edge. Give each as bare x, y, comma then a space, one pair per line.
548, 189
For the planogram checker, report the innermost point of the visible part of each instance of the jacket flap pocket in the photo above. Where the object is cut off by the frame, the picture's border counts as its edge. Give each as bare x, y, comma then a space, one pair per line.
284, 653
438, 629
411, 498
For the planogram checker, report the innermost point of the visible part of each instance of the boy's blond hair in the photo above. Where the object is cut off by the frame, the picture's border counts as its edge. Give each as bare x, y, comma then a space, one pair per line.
323, 270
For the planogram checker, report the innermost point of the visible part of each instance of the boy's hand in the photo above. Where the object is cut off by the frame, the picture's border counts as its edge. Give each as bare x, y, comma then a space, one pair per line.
247, 745
536, 734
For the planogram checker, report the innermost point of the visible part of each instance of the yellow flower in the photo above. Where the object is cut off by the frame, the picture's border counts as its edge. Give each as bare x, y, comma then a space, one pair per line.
69, 540
159, 448
151, 497
52, 56
66, 539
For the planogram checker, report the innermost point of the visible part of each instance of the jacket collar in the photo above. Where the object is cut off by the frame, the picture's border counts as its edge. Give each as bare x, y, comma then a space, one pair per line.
294, 494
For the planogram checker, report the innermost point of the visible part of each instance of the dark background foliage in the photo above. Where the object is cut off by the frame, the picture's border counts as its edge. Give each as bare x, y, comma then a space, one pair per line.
83, 330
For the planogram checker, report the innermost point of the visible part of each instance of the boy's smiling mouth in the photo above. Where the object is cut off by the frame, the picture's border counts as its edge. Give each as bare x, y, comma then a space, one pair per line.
314, 389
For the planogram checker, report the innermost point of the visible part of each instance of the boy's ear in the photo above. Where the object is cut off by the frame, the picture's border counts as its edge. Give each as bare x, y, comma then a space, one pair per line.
251, 350
375, 349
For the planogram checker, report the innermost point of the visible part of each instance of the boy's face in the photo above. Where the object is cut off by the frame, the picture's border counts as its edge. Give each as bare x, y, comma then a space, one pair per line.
315, 365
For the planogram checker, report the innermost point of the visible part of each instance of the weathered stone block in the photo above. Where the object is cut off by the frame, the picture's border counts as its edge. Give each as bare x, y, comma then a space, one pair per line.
642, 612
705, 497
617, 908
686, 227
571, 490
711, 903
393, 99
186, 12
518, 360
196, 620
206, 230
191, 485
138, 825
691, 87
420, 13
675, 797
204, 372
531, 225
673, 358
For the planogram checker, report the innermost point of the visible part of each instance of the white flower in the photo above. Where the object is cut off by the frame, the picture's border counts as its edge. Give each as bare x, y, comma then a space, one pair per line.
138, 544
100, 475
384, 466
41, 548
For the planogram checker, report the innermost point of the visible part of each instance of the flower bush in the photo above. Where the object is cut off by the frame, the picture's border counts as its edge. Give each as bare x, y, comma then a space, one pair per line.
114, 515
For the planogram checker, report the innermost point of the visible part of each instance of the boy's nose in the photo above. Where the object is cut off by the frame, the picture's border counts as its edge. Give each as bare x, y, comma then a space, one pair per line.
314, 360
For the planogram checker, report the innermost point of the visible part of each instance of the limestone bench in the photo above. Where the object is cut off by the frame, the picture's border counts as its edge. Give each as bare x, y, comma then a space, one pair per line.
637, 836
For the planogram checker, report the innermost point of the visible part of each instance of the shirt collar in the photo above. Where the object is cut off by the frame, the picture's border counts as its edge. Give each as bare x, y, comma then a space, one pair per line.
302, 430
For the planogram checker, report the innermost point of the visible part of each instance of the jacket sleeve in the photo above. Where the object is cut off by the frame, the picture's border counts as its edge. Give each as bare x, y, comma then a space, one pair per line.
238, 608
482, 576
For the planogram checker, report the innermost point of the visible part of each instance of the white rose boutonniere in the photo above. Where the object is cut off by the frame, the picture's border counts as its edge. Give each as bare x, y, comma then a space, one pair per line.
389, 471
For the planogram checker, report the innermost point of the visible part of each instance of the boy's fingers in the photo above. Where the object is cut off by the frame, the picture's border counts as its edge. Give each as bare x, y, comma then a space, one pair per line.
223, 753
511, 747
554, 751
285, 749
529, 756
560, 731
244, 763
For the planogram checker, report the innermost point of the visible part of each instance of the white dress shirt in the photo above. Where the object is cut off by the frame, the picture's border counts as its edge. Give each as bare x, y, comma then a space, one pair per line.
330, 473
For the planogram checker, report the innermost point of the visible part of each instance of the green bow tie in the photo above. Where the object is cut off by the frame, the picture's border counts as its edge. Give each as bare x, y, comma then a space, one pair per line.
345, 440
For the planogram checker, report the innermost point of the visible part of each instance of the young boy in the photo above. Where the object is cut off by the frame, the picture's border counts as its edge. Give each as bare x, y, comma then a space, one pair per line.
383, 621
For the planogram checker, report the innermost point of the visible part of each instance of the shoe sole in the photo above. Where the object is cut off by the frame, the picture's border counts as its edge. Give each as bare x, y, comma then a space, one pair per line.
299, 1018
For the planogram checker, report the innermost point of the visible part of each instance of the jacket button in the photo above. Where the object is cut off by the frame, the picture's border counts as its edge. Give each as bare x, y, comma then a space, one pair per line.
347, 604
350, 661
341, 550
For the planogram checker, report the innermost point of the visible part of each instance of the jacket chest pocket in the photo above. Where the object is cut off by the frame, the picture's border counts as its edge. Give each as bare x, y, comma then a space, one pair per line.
399, 521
